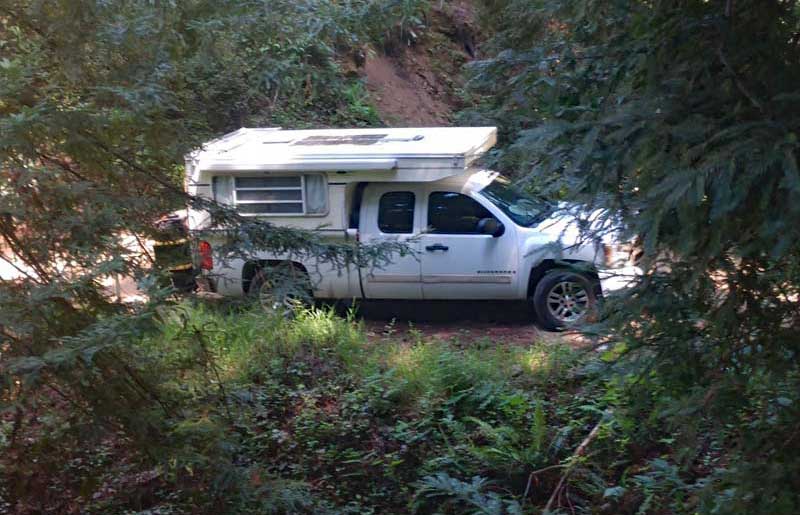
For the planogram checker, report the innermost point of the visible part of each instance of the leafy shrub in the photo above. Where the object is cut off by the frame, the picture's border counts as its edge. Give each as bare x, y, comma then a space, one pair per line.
466, 497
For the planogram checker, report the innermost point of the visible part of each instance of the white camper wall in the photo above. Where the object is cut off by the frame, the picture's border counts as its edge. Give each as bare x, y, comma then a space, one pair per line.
198, 184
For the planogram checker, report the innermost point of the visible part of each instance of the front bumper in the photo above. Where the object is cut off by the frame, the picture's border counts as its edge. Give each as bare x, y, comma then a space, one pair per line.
616, 279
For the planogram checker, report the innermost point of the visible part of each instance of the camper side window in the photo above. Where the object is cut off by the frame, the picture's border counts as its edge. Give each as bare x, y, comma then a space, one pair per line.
278, 195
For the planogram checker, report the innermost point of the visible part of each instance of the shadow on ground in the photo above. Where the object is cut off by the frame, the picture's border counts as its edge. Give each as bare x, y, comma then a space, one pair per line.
464, 321
448, 312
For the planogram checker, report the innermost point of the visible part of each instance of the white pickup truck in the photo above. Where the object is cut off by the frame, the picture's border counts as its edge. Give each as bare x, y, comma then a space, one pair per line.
472, 234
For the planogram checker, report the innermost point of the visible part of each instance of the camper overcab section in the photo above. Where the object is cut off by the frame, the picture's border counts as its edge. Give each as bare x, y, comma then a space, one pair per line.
473, 235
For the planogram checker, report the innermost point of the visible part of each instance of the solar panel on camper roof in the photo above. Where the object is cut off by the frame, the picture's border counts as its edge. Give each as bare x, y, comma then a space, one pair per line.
358, 139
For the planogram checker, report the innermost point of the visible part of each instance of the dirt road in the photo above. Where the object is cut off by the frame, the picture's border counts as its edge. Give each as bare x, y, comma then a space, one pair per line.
499, 322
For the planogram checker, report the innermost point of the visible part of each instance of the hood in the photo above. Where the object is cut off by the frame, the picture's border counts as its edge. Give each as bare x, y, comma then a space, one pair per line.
572, 232
577, 223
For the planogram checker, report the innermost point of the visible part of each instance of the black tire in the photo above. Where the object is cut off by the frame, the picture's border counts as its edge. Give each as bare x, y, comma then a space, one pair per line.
281, 289
564, 299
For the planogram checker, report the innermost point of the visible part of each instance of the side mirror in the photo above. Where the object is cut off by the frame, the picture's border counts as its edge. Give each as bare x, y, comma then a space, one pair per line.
491, 226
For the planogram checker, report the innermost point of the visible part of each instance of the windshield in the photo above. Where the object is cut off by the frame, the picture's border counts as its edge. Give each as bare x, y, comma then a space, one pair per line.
522, 209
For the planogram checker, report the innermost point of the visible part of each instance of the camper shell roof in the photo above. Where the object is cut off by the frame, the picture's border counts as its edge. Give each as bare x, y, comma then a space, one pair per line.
334, 150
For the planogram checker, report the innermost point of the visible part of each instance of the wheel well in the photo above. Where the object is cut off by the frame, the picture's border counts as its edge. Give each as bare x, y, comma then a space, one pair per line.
551, 264
251, 268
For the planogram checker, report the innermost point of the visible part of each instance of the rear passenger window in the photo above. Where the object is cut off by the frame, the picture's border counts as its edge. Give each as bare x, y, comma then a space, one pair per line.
454, 213
396, 212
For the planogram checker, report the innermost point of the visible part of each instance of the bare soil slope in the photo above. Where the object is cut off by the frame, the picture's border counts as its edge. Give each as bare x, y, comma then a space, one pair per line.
420, 84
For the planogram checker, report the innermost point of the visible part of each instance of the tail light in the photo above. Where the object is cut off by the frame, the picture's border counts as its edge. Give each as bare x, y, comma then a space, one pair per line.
204, 250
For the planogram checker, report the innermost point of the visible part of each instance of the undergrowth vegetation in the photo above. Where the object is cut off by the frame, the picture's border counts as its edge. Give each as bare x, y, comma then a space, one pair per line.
267, 414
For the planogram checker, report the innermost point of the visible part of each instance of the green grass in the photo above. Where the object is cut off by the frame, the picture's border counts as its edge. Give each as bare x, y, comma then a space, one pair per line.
246, 341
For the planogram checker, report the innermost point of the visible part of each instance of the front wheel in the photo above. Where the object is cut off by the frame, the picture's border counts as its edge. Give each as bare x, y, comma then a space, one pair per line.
564, 299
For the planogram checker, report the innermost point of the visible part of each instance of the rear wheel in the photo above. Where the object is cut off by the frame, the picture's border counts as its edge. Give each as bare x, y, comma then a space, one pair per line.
281, 289
564, 299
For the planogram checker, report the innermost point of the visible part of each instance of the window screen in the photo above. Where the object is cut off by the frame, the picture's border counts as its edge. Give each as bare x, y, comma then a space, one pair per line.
396, 212
279, 195
269, 195
454, 213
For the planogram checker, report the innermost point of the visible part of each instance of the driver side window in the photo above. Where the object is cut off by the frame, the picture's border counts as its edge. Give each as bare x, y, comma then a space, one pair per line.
454, 213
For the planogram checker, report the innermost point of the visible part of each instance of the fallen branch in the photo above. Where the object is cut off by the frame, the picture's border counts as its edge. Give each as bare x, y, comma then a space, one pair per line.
536, 473
580, 451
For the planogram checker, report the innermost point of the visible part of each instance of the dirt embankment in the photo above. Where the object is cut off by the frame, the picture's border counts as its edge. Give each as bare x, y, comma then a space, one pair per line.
420, 84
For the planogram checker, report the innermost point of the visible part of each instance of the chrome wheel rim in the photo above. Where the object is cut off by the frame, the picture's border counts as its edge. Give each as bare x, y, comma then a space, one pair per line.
568, 301
282, 301
268, 300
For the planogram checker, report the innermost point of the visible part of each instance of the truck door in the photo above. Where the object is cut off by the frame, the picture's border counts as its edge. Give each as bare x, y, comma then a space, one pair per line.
390, 212
458, 262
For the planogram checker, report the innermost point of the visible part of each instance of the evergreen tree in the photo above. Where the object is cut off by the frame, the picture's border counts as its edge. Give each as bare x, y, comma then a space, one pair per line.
682, 118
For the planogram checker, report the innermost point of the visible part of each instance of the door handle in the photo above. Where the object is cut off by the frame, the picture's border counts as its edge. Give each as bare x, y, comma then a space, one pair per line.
437, 246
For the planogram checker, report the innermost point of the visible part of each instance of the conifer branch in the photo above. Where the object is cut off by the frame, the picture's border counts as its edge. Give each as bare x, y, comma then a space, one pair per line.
738, 82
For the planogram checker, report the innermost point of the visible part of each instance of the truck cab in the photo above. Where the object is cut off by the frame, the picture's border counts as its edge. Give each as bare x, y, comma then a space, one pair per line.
467, 233
465, 246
